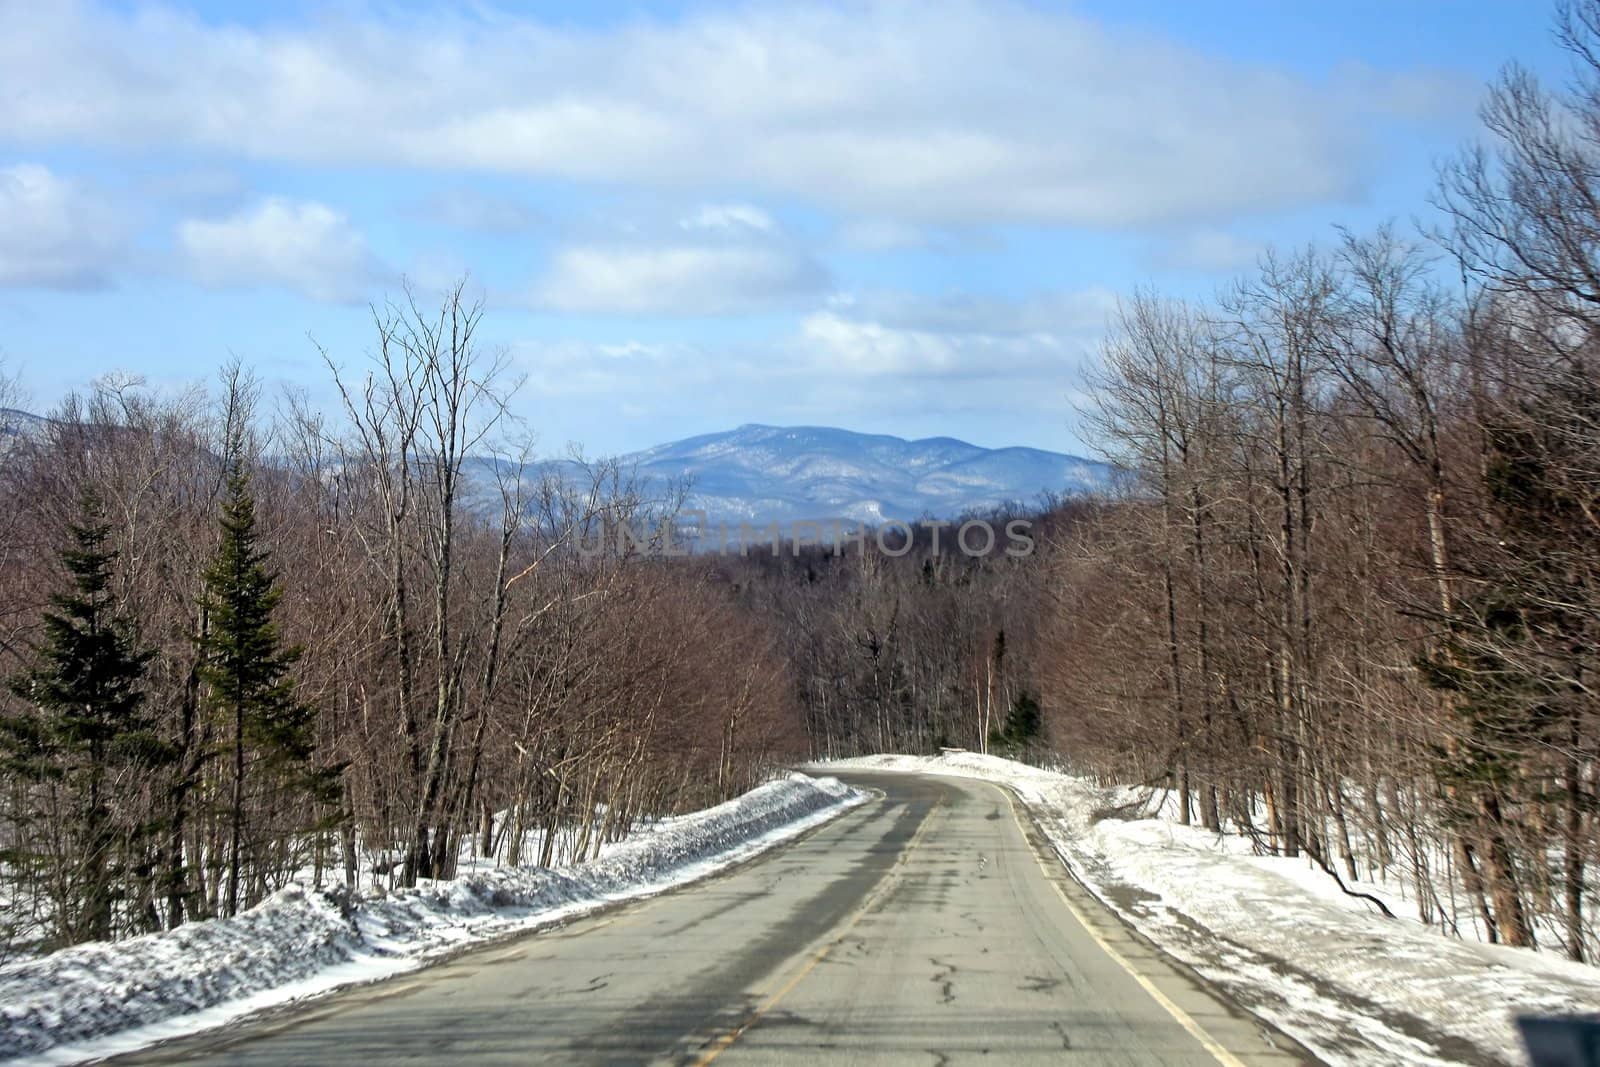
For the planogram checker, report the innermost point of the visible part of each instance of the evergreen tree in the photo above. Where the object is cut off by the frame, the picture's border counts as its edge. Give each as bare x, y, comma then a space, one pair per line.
1515, 653
1023, 725
86, 728
248, 674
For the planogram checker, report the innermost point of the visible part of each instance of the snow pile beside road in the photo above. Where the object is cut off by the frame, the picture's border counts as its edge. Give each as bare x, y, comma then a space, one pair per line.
96, 999
1279, 937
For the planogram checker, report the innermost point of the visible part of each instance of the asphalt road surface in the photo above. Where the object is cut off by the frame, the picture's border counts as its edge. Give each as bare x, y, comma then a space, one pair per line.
931, 926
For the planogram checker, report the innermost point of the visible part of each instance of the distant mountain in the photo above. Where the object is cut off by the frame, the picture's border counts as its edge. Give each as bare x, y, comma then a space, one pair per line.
782, 474
763, 474
20, 423
17, 427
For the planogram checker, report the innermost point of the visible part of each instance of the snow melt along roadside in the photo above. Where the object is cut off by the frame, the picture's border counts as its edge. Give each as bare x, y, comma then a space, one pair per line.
1280, 938
98, 999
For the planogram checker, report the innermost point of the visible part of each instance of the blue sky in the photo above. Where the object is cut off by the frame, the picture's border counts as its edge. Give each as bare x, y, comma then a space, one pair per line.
902, 217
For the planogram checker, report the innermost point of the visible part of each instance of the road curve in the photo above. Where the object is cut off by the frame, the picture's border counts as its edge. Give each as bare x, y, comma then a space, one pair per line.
927, 927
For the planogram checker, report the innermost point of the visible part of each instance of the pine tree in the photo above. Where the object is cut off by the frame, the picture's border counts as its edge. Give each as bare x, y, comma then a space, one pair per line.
1023, 725
87, 726
248, 674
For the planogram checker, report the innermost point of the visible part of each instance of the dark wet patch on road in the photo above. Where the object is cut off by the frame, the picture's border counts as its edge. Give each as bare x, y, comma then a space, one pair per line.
1033, 983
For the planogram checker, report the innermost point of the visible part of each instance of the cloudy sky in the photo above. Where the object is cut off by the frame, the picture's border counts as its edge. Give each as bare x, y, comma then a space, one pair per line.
906, 217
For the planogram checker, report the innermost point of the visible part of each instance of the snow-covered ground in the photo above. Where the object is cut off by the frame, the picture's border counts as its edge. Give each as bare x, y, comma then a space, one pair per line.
1279, 936
98, 999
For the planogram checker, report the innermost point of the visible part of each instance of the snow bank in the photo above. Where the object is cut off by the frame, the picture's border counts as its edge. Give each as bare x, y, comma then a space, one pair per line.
102, 998
1280, 938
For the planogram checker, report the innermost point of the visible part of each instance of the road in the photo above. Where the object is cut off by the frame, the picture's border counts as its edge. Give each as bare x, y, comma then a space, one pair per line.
930, 926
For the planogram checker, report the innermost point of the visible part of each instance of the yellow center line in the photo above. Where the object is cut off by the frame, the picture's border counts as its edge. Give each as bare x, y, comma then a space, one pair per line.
1184, 1019
725, 1042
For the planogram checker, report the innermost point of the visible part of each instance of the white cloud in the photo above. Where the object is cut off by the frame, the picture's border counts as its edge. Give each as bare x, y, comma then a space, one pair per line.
685, 278
1057, 313
853, 347
949, 112
718, 259
300, 245
53, 232
974, 339
729, 217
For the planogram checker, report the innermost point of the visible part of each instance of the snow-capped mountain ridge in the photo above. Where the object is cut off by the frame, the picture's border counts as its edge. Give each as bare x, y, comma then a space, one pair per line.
760, 473
785, 473
13, 421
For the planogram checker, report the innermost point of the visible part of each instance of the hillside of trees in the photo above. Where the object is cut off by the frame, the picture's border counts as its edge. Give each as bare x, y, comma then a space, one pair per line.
244, 646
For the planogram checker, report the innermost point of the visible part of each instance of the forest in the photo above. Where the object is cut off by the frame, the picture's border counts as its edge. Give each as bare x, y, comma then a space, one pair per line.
243, 649
1344, 601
